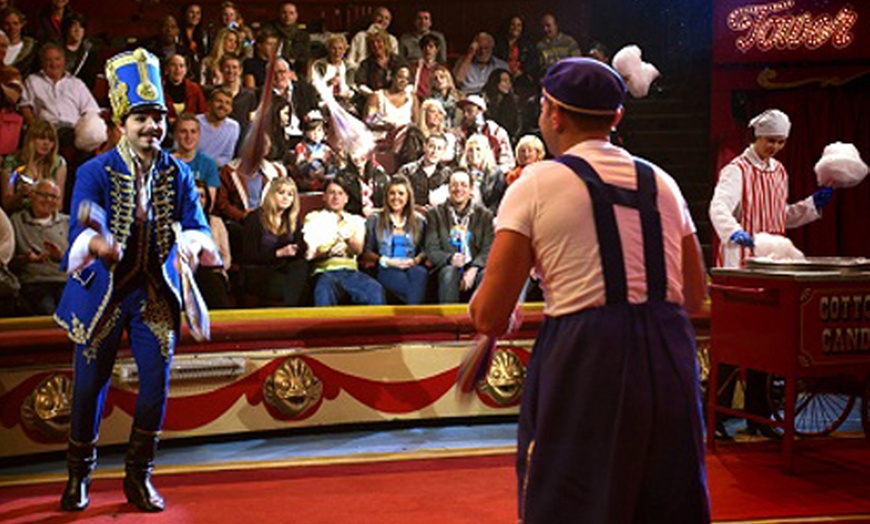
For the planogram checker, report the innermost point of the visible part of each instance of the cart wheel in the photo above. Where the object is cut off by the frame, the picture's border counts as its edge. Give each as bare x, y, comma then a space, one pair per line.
822, 403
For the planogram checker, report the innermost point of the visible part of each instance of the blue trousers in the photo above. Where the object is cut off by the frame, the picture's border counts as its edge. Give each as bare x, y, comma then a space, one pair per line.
361, 288
409, 285
448, 284
610, 422
152, 349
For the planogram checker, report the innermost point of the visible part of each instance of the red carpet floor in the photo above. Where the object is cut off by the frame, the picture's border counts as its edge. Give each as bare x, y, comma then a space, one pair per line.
747, 483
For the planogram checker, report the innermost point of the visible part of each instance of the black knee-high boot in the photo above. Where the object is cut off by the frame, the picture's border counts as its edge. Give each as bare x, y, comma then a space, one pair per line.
80, 462
139, 465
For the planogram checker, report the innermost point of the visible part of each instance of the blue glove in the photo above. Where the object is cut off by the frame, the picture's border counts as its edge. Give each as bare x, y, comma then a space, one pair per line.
822, 196
742, 238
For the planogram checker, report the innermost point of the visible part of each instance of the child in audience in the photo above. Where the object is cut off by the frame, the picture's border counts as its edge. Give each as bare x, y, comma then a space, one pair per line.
316, 162
530, 149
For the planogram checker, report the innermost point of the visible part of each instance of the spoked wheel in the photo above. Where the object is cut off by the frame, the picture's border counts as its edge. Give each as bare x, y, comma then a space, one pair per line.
821, 405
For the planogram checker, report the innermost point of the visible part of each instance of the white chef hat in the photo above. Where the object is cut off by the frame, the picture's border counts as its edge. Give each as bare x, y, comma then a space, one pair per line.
772, 122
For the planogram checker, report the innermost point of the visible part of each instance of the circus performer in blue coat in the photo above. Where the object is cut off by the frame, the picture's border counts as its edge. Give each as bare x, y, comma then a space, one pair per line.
125, 265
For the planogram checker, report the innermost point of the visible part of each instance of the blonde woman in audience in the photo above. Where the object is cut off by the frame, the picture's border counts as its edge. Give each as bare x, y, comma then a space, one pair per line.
227, 41
36, 160
432, 120
331, 71
444, 90
529, 150
487, 178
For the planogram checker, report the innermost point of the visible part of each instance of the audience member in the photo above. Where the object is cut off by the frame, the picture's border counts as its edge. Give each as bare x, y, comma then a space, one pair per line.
473, 121
227, 42
218, 133
292, 99
254, 69
424, 66
22, 51
502, 103
331, 71
314, 161
37, 160
167, 42
11, 88
214, 282
433, 120
56, 96
459, 235
359, 46
81, 58
244, 99
41, 233
394, 106
375, 70
530, 149
202, 166
429, 173
394, 242
193, 38
364, 182
241, 193
442, 89
334, 238
50, 21
473, 69
295, 42
183, 95
487, 178
411, 44
10, 287
231, 18
273, 257
519, 51
555, 45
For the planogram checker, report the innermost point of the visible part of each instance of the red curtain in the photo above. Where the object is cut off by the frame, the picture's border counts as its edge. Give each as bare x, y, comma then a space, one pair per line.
819, 116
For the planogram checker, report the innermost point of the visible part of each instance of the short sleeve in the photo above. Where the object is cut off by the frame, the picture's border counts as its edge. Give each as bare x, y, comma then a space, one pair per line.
517, 209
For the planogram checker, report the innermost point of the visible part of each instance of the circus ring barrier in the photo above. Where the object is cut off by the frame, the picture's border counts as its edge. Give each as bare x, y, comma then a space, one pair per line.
273, 369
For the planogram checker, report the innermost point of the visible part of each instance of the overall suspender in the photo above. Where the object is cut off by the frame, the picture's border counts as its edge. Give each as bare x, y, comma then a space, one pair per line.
604, 196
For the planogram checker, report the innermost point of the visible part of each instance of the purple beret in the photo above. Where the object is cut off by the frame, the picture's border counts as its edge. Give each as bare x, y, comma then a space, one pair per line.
584, 85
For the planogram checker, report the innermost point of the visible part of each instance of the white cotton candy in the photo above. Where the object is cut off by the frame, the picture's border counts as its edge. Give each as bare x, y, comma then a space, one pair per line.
638, 75
776, 247
840, 166
90, 132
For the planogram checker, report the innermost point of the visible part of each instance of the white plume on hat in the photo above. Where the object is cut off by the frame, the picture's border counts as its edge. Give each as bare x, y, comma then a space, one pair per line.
90, 132
771, 122
776, 247
840, 166
638, 75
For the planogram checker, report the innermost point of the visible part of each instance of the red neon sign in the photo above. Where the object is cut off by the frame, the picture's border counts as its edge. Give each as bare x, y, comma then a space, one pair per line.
764, 28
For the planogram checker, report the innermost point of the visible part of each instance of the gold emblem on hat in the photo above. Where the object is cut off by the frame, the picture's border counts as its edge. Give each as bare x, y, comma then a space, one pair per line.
146, 90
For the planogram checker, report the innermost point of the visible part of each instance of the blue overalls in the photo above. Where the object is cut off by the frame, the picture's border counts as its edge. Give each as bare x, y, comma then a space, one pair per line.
610, 424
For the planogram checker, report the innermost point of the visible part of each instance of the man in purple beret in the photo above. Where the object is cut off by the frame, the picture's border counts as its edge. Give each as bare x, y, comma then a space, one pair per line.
610, 422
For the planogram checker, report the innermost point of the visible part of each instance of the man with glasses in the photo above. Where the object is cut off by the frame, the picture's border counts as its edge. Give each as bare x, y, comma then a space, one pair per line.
292, 99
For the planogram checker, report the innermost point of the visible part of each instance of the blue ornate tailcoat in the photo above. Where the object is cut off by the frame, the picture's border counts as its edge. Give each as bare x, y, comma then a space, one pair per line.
108, 181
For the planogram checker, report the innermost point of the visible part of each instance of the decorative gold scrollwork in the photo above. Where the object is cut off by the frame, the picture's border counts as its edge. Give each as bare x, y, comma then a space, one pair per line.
504, 379
47, 409
292, 388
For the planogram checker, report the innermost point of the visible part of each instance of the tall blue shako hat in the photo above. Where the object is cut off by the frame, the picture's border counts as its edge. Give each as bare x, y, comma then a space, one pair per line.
134, 83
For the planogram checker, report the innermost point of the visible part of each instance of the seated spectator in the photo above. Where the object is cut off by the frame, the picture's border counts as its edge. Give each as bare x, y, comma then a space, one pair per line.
433, 121
202, 166
56, 96
474, 121
530, 149
10, 287
363, 181
240, 193
214, 282
487, 178
459, 235
428, 173
334, 238
424, 66
11, 88
443, 90
292, 99
244, 99
227, 42
50, 21
411, 45
167, 42
394, 241
519, 51
219, 133
502, 103
294, 41
254, 68
273, 257
375, 71
315, 162
231, 18
37, 160
473, 69
182, 94
22, 51
359, 46
394, 107
193, 38
555, 45
331, 72
41, 233
80, 55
